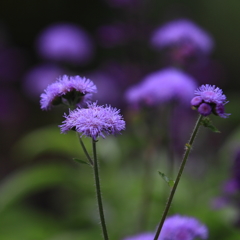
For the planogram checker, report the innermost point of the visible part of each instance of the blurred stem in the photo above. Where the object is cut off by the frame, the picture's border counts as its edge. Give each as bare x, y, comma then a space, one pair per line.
98, 191
185, 157
147, 186
85, 150
170, 147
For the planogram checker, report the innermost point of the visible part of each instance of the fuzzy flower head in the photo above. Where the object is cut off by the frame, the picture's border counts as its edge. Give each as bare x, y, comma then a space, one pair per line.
162, 86
94, 121
210, 99
183, 228
71, 91
142, 236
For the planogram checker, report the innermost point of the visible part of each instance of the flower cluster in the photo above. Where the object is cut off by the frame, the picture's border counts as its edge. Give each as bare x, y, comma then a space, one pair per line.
210, 99
162, 86
183, 228
177, 228
65, 42
94, 121
181, 32
68, 90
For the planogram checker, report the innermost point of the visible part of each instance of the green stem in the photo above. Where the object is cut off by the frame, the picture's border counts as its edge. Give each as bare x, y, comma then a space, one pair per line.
98, 191
85, 150
185, 157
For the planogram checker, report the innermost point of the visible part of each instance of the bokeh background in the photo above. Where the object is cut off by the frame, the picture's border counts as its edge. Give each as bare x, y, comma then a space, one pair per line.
44, 195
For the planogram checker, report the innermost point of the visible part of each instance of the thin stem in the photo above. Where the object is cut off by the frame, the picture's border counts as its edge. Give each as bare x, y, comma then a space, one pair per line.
185, 157
85, 150
98, 191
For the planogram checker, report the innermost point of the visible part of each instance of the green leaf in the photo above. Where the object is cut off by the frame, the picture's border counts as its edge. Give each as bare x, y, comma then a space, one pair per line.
206, 122
24, 182
80, 161
170, 182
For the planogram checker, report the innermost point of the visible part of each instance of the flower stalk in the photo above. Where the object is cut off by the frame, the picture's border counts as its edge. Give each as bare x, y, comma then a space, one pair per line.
184, 160
98, 190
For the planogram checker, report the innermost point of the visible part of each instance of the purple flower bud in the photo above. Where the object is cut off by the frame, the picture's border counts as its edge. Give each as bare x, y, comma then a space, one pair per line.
205, 109
219, 111
196, 101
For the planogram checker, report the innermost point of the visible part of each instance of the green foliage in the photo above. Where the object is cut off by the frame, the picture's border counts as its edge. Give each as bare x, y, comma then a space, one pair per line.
170, 182
122, 184
206, 122
80, 161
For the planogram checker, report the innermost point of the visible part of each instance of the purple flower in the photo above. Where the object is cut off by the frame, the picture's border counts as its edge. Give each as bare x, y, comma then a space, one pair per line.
71, 91
210, 99
183, 228
65, 42
182, 32
162, 86
142, 236
94, 121
211, 94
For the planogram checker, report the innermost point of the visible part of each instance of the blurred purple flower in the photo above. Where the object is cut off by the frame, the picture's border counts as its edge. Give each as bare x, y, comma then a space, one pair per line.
183, 228
39, 77
162, 86
65, 42
142, 236
71, 91
94, 121
219, 202
182, 31
183, 41
232, 186
210, 99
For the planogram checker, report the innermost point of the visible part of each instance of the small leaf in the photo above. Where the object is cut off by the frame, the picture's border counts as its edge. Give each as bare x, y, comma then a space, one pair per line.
206, 122
170, 182
80, 161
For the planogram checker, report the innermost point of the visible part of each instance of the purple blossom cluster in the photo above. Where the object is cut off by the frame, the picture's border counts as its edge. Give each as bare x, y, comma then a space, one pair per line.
161, 87
210, 99
177, 227
65, 42
94, 121
182, 32
73, 90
